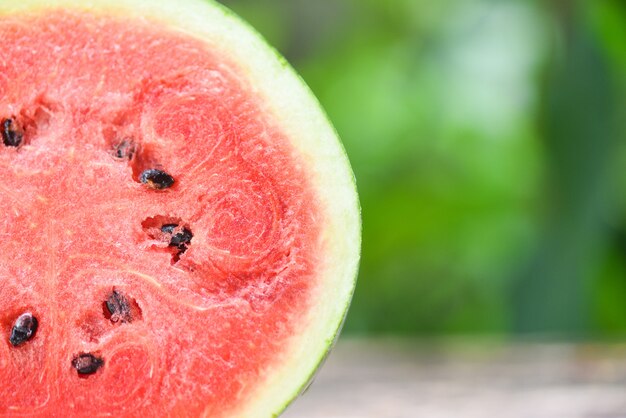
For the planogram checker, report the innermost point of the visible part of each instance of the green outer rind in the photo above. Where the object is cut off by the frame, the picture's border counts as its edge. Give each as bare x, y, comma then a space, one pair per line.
344, 240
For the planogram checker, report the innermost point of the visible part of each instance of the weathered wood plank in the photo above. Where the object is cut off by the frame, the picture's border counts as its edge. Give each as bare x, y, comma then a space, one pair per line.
405, 379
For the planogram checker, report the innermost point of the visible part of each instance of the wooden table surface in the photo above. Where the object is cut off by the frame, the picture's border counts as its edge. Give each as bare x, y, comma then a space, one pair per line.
366, 378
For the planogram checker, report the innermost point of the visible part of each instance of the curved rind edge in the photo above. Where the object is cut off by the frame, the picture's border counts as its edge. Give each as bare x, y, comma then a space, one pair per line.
229, 29
335, 335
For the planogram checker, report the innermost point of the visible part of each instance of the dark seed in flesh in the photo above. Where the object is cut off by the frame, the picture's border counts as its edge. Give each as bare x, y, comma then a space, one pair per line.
119, 307
24, 329
124, 150
11, 134
156, 179
181, 239
168, 228
87, 363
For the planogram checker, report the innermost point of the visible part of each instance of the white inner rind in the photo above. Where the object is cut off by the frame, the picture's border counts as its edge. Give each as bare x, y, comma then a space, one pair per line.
298, 115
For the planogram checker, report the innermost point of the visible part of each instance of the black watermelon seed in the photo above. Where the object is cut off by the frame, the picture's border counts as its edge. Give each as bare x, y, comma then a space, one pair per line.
181, 240
119, 307
124, 150
87, 363
156, 179
11, 134
24, 329
168, 228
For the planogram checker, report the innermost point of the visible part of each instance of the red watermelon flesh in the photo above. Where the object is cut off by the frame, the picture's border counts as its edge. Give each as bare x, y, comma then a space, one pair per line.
182, 328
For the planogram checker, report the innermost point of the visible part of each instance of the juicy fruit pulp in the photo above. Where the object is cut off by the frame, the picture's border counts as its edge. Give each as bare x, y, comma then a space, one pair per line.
157, 223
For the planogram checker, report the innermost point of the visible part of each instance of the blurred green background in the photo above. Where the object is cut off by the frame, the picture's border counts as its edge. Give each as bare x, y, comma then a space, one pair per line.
488, 139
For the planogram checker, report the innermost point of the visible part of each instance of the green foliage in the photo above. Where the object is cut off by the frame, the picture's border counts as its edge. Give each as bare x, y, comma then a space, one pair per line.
491, 185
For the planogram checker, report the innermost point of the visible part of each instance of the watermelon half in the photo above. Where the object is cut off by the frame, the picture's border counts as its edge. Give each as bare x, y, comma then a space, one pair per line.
179, 221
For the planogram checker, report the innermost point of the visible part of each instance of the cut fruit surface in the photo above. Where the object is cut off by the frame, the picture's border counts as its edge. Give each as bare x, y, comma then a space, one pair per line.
180, 224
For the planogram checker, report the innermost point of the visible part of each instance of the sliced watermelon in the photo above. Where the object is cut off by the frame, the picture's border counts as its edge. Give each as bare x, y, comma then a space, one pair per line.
180, 225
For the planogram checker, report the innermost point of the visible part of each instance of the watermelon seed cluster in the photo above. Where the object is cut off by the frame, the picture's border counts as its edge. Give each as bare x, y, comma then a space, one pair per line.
24, 329
12, 134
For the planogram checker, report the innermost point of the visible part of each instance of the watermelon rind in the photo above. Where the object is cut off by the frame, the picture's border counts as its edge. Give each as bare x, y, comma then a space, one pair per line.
299, 116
